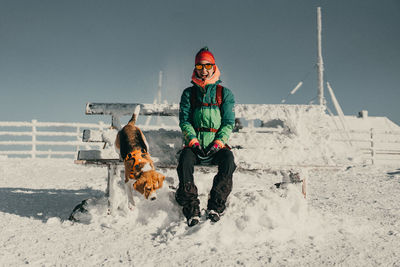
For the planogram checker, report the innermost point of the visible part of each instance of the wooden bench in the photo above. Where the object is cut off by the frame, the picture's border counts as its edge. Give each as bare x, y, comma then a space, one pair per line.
252, 144
166, 141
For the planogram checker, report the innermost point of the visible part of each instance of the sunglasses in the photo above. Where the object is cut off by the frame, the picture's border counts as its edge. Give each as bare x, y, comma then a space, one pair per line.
208, 66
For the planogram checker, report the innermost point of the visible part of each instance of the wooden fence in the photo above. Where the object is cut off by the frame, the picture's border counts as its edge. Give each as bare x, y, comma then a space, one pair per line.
376, 146
51, 139
383, 146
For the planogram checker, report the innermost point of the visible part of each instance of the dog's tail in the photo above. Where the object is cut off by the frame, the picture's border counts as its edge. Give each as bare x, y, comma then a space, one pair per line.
135, 115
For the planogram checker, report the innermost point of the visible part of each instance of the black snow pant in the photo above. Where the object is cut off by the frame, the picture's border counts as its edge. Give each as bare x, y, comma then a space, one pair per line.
187, 195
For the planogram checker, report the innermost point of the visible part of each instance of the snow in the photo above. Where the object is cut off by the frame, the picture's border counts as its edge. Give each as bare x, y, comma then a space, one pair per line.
350, 217
366, 123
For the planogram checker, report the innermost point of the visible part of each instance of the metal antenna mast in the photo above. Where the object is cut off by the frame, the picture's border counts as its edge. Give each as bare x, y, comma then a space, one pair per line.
160, 76
320, 62
157, 99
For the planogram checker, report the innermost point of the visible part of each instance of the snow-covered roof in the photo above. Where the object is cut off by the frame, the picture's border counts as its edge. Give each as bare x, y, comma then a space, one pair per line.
366, 123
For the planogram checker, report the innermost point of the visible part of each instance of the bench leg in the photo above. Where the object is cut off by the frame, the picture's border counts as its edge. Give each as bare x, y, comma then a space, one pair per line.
115, 194
110, 173
110, 190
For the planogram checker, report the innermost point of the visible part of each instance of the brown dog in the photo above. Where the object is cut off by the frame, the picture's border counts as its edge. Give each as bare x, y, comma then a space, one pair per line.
139, 168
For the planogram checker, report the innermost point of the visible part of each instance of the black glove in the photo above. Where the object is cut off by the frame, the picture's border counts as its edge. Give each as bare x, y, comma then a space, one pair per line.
196, 148
213, 148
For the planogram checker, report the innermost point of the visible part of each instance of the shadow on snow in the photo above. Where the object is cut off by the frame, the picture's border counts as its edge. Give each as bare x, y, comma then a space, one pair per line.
42, 204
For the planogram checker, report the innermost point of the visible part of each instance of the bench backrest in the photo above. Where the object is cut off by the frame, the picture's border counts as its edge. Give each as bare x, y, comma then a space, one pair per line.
118, 110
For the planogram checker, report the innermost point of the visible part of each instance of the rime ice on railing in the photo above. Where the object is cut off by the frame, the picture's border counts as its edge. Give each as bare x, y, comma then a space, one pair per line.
38, 138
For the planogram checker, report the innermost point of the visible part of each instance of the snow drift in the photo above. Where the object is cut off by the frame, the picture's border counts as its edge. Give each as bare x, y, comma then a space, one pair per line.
350, 217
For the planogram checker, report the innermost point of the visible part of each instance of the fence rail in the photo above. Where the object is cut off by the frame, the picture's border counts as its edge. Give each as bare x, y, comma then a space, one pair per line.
70, 142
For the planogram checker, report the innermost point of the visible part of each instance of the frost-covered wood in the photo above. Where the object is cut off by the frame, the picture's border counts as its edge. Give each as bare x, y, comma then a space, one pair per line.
126, 109
245, 111
42, 138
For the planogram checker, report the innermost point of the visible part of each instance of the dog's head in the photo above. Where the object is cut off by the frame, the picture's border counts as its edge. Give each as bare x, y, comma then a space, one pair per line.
148, 183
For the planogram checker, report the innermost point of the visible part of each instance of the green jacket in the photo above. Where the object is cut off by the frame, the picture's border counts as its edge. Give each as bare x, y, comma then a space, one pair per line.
221, 118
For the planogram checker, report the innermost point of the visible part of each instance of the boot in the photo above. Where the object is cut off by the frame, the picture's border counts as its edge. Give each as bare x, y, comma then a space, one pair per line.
192, 214
193, 221
213, 216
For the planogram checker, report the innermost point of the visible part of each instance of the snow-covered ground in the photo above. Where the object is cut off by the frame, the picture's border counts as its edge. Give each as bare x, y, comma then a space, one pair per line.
350, 217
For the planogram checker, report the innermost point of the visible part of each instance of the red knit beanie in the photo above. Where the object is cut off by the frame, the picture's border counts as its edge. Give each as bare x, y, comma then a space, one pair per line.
204, 54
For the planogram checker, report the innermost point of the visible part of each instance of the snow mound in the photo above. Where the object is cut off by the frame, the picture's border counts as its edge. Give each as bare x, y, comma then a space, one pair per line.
254, 214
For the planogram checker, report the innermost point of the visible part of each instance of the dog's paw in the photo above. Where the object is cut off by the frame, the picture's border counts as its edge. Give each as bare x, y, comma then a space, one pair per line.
131, 206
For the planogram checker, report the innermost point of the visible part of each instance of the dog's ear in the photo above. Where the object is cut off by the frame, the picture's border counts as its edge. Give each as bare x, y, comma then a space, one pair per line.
139, 185
159, 180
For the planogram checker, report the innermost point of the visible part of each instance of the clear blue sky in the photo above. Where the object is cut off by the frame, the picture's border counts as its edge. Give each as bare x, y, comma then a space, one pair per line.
57, 55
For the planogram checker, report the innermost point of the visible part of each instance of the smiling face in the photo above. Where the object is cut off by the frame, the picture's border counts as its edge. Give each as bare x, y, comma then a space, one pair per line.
203, 73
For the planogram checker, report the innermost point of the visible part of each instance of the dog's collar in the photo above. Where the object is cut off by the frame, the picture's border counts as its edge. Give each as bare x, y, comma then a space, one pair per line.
136, 155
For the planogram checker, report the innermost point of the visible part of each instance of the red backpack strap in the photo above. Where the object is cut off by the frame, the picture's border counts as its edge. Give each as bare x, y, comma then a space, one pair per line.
193, 96
218, 96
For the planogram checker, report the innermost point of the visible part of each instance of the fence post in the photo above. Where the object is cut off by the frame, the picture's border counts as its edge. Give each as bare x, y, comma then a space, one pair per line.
251, 124
101, 125
372, 146
78, 137
101, 128
33, 153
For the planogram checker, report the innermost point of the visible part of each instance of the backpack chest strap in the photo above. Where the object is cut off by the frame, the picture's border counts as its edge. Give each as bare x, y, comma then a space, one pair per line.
206, 130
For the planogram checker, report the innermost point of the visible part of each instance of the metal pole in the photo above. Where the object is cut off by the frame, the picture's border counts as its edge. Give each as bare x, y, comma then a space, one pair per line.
157, 99
339, 112
160, 75
320, 62
372, 146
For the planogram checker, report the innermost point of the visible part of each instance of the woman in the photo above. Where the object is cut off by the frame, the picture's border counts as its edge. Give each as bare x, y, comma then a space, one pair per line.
206, 118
